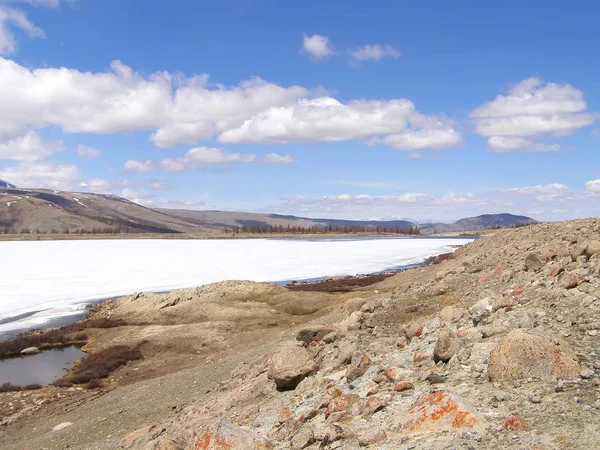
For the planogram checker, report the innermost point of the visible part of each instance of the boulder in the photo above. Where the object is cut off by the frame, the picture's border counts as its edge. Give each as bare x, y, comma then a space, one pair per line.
567, 280
443, 411
592, 248
359, 365
289, 366
354, 304
522, 355
228, 436
448, 344
481, 310
313, 334
30, 351
533, 262
451, 314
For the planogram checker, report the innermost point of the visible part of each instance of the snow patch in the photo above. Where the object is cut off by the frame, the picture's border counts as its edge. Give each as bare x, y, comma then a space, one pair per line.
56, 278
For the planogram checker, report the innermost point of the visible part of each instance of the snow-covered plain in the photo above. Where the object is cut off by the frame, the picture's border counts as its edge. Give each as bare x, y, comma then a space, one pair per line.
57, 278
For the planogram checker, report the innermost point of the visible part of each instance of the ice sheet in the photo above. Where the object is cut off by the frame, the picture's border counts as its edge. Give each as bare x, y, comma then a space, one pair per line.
54, 278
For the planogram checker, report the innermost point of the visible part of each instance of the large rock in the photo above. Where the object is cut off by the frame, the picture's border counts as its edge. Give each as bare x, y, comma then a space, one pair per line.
533, 262
522, 355
30, 351
443, 411
228, 436
451, 314
592, 248
481, 310
448, 344
289, 366
360, 364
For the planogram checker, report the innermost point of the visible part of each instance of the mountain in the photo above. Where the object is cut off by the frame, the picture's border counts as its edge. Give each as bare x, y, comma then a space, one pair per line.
45, 211
6, 184
485, 221
222, 219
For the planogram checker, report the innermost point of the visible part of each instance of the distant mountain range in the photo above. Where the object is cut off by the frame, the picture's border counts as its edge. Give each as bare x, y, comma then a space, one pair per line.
45, 211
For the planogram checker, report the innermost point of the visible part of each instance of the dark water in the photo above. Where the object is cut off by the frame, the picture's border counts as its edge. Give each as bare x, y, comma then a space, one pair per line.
42, 368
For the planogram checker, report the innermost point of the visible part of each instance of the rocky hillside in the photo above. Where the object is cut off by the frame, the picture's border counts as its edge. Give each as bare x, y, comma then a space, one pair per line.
6, 184
495, 347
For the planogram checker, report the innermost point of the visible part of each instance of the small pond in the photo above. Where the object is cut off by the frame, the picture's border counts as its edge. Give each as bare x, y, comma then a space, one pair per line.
42, 368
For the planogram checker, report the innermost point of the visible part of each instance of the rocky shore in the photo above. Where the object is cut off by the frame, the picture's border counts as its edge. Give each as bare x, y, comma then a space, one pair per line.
496, 346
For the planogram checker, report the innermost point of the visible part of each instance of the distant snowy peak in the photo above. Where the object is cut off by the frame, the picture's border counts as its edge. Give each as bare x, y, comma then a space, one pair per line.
6, 185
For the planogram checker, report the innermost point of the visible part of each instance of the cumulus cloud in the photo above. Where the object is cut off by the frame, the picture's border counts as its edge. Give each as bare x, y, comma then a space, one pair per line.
326, 119
139, 196
317, 46
139, 166
276, 158
42, 174
11, 19
193, 159
374, 53
85, 151
502, 144
593, 186
183, 110
29, 147
548, 189
531, 108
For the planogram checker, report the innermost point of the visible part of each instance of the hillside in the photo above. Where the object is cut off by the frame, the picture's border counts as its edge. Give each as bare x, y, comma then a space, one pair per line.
45, 211
496, 347
483, 222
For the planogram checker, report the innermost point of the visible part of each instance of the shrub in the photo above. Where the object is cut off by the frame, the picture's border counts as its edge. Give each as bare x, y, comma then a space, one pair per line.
32, 387
94, 383
9, 387
102, 363
62, 383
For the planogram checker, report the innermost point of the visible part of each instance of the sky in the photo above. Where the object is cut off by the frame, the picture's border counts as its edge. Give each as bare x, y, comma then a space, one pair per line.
430, 110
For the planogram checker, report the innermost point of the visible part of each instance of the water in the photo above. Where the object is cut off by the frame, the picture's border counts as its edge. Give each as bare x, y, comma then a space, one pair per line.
42, 368
47, 281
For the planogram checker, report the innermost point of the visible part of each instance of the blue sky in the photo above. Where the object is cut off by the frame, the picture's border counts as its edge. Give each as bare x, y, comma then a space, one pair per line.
430, 110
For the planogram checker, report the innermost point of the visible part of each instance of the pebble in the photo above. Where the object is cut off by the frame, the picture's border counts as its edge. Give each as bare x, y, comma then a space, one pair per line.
534, 398
586, 374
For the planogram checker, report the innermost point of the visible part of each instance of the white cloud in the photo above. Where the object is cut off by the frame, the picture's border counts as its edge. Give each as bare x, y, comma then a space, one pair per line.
325, 119
532, 108
139, 166
85, 151
42, 174
97, 185
549, 189
374, 53
29, 147
593, 186
10, 19
275, 158
159, 186
502, 144
437, 138
44, 3
184, 110
193, 159
180, 110
318, 47
139, 196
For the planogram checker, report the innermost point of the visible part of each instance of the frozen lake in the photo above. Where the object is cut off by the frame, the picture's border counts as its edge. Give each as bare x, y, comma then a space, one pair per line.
45, 280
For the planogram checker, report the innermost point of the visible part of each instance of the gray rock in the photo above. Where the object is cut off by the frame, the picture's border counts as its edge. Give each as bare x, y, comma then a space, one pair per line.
481, 310
448, 344
30, 351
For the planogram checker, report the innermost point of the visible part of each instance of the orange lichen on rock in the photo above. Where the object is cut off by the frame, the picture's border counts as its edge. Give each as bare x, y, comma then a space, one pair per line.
441, 411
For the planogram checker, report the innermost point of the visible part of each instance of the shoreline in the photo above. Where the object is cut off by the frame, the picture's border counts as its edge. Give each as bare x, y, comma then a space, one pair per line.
209, 236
